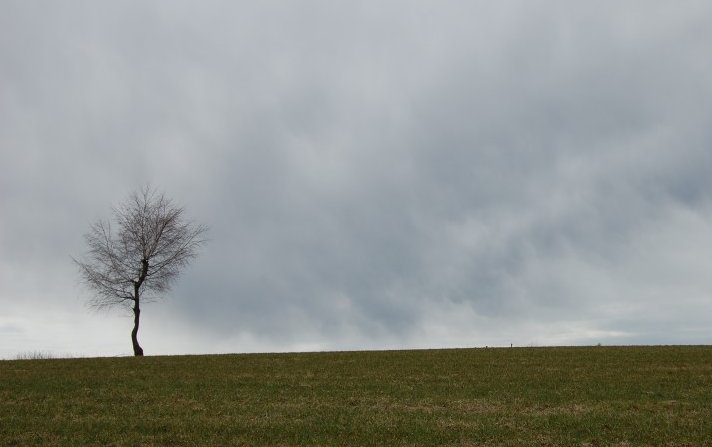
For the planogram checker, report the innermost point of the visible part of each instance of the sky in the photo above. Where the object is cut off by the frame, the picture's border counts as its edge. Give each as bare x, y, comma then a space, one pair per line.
375, 175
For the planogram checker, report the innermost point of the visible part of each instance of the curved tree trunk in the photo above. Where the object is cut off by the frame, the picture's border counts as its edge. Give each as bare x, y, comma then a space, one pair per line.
138, 350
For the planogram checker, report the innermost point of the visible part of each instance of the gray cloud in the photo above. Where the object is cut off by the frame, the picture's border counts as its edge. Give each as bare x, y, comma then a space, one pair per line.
407, 174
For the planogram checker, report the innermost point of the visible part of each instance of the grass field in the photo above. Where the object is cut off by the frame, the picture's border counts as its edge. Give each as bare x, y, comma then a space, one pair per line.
595, 396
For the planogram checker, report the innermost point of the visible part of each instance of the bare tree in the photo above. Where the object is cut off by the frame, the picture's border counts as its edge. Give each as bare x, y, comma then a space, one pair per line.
140, 260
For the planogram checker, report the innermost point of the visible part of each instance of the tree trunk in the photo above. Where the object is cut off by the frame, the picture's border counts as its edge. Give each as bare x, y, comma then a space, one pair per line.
138, 350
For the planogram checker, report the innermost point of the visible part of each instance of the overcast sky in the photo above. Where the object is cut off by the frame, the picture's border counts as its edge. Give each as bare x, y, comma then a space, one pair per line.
378, 174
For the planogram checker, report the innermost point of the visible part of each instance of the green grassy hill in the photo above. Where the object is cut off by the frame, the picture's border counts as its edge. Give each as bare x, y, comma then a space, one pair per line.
595, 396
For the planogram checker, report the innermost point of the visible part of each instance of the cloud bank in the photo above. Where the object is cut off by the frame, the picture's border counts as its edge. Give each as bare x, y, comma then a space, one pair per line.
400, 174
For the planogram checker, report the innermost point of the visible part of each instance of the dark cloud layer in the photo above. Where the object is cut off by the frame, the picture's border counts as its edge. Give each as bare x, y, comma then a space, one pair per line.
395, 174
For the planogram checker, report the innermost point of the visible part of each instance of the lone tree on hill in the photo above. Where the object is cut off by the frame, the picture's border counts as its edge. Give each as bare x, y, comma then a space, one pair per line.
140, 260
